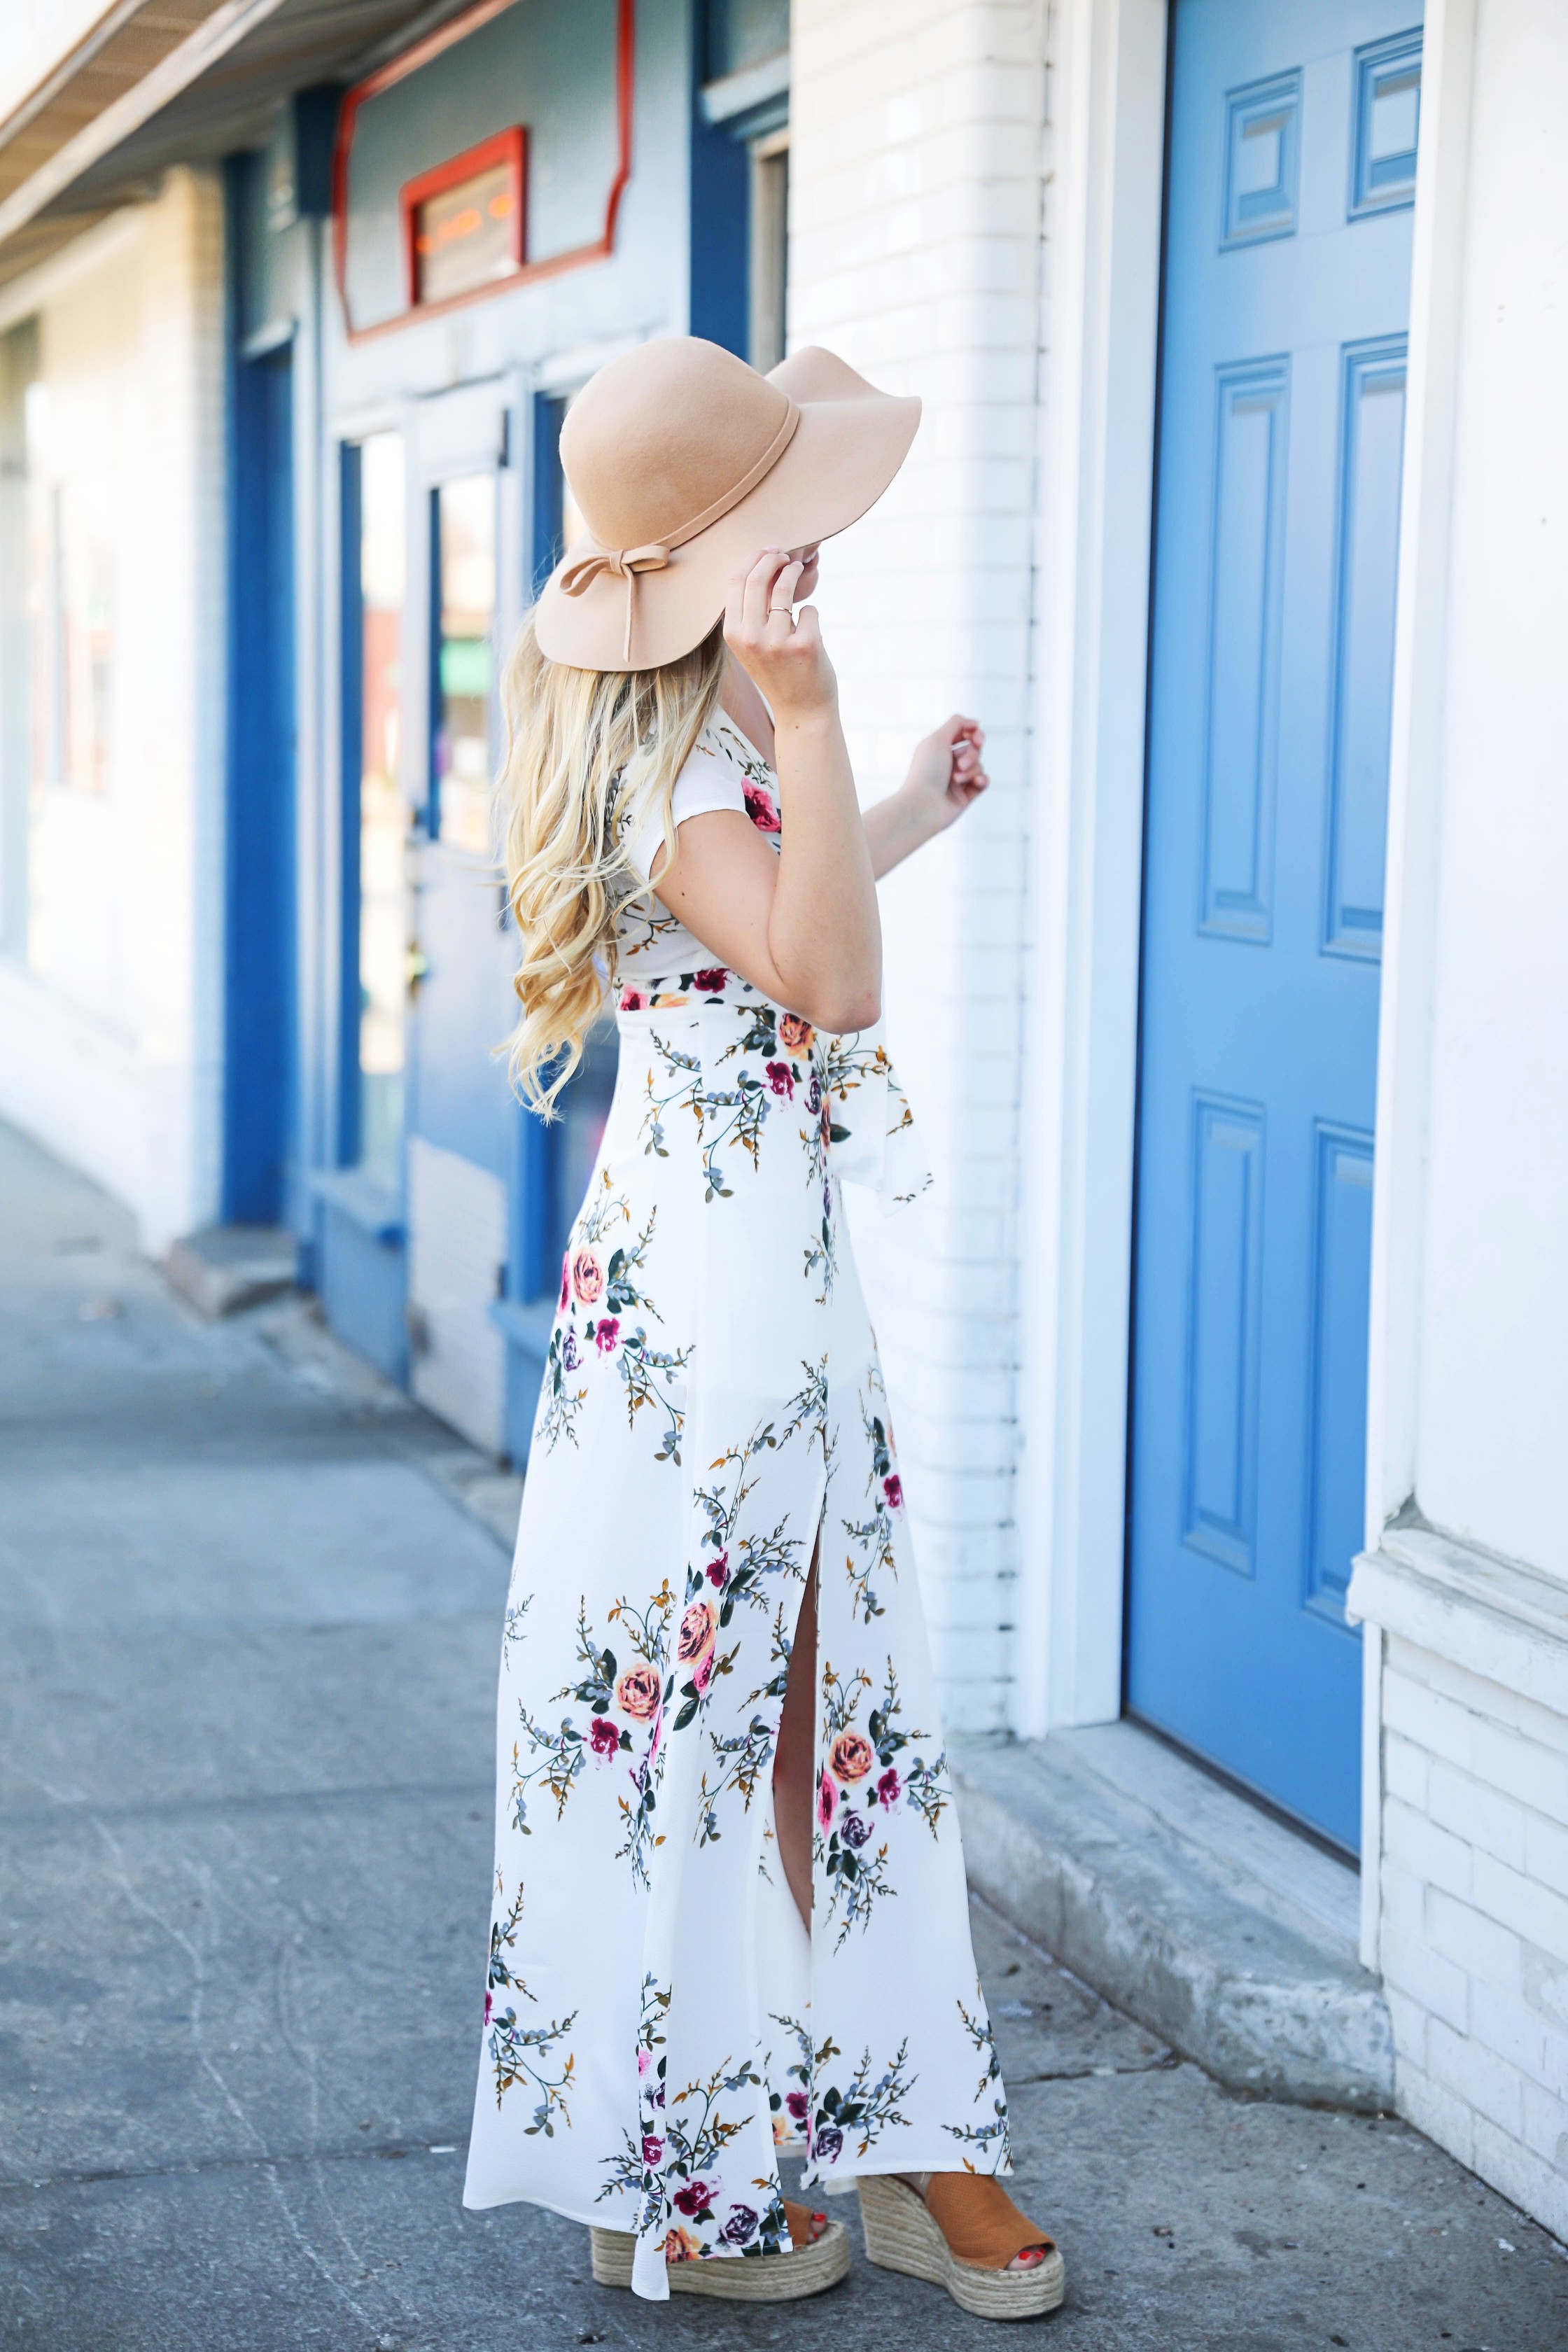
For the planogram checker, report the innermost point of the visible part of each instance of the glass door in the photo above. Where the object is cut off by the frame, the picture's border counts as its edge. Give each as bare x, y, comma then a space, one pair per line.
379, 923
462, 766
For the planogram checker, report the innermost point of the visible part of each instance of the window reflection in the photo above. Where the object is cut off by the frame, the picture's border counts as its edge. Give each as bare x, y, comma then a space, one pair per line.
383, 916
466, 546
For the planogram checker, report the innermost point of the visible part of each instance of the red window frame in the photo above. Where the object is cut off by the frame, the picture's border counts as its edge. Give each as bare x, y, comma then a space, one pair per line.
508, 147
470, 21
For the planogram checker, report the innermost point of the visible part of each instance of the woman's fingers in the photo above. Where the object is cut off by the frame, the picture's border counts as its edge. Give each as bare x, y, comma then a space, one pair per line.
756, 593
782, 592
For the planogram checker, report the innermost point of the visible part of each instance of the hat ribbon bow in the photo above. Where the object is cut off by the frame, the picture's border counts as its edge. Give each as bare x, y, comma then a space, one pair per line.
622, 563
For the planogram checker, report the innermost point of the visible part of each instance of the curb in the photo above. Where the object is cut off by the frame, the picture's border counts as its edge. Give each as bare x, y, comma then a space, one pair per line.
1268, 2003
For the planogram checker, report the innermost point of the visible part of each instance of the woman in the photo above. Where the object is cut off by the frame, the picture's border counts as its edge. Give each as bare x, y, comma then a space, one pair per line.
729, 1909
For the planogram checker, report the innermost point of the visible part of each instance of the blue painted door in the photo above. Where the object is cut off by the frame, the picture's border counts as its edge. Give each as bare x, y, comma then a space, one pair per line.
1281, 414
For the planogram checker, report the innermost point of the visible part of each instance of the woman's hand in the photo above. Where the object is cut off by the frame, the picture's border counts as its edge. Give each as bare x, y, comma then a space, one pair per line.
802, 924
945, 772
780, 650
946, 776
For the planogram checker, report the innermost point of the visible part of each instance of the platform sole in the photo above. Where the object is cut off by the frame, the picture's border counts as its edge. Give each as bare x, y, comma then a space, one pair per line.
759, 2278
901, 2236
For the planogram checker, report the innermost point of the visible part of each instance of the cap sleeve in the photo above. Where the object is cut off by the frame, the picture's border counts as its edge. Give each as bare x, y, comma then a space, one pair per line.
708, 781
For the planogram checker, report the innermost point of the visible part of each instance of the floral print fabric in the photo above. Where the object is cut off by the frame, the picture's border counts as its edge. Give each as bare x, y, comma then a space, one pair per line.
657, 2024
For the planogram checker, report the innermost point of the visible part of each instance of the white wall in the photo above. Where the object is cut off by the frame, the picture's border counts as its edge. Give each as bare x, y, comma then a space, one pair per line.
1465, 1594
111, 1032
975, 190
916, 131
1493, 1416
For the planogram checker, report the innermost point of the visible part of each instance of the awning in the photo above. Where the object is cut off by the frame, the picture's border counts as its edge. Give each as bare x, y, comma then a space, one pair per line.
156, 82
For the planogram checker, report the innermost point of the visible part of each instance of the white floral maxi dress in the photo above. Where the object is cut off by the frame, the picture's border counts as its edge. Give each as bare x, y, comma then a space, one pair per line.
657, 2021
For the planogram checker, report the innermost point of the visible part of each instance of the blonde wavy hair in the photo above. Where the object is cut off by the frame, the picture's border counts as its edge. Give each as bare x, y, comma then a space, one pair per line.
590, 755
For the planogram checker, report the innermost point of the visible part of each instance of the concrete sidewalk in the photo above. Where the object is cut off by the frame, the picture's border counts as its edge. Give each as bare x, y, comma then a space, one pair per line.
249, 1614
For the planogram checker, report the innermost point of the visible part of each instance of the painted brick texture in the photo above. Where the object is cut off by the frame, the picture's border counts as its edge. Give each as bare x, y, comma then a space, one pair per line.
918, 148
1474, 1935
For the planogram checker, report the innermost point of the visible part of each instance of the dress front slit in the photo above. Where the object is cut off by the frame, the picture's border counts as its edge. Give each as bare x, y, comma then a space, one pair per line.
657, 2022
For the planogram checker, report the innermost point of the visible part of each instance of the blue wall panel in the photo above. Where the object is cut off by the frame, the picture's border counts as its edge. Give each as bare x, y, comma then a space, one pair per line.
1247, 570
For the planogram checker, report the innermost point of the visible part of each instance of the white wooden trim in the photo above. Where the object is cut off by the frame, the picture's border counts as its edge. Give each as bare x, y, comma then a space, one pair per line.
1096, 478
1415, 762
212, 40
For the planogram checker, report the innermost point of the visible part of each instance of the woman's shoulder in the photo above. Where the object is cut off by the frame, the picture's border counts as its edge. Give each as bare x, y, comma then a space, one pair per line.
755, 783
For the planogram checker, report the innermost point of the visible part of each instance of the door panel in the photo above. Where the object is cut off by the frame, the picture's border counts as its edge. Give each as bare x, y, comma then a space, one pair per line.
1282, 381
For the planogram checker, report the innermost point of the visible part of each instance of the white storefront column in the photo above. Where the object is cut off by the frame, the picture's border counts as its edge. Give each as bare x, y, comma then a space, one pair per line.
1464, 1586
111, 1019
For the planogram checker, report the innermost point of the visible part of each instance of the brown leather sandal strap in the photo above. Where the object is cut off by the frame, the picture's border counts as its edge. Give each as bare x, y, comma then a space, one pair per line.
979, 2219
799, 2218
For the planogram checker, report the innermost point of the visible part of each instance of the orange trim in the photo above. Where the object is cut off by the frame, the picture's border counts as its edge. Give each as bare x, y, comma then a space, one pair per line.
397, 70
508, 147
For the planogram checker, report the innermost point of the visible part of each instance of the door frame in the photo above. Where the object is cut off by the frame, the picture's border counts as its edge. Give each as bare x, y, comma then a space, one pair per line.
1093, 530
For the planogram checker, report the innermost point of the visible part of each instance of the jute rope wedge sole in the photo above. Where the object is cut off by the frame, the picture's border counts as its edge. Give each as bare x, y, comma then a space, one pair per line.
756, 2278
901, 2235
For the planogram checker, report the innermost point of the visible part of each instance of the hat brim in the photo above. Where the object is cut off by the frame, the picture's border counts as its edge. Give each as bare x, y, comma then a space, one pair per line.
850, 444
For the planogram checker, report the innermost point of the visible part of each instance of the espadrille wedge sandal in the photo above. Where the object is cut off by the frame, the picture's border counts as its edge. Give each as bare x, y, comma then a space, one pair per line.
967, 2248
811, 2265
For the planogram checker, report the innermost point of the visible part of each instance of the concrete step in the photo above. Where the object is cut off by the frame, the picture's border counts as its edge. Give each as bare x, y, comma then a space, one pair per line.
1212, 1923
224, 1268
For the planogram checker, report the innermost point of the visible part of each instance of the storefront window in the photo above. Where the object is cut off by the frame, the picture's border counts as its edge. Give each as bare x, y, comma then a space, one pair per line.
383, 915
465, 662
770, 247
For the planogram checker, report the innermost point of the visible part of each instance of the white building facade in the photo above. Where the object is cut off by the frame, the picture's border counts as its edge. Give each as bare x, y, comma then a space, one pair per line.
978, 214
112, 986
1234, 1017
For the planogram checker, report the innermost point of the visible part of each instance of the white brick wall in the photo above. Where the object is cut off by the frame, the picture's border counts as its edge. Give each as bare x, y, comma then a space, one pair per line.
1473, 1938
918, 148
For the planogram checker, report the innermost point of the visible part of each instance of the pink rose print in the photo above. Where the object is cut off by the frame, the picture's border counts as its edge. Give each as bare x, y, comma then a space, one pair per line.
695, 1641
852, 1756
633, 1000
826, 1798
889, 1789
795, 1034
781, 1077
603, 1737
490, 2004
760, 810
703, 1675
712, 980
565, 1280
587, 1276
718, 1569
694, 2199
636, 1693
893, 1488
608, 1332
652, 2148
795, 2102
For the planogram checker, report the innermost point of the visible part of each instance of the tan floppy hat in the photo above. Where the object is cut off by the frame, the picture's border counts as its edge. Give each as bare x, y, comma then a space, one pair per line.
683, 462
